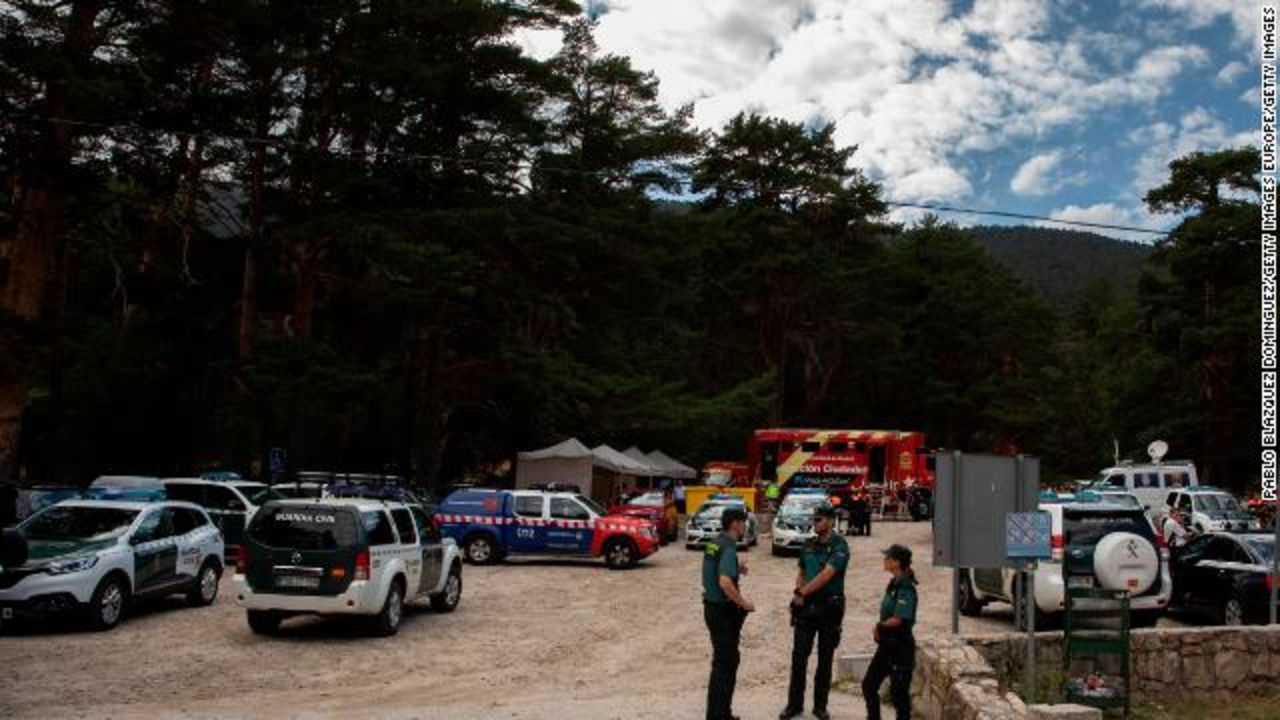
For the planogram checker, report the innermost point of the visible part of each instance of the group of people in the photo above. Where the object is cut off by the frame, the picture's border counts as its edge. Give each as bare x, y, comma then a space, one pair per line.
817, 610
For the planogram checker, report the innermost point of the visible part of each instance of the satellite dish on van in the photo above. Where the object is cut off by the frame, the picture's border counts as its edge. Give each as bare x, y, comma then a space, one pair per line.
1157, 450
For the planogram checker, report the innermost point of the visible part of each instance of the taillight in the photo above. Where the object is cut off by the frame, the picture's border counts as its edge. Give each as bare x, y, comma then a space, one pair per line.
362, 565
1271, 582
1058, 543
242, 560
1163, 546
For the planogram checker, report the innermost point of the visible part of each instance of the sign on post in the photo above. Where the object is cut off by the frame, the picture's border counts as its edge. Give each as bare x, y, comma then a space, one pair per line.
1028, 535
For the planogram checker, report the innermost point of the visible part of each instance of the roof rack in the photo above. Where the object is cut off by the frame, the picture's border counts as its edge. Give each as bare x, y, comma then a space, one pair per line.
556, 487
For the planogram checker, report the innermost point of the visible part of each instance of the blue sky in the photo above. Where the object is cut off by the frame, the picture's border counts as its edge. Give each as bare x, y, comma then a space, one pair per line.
1063, 108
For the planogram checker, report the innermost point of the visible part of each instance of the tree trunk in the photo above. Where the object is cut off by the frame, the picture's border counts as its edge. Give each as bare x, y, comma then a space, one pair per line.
248, 289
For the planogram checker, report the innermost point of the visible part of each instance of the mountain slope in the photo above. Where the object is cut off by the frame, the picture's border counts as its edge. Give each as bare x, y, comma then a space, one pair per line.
1059, 264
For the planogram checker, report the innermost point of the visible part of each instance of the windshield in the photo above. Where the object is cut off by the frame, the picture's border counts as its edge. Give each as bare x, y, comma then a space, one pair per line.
260, 494
1264, 548
1124, 499
78, 523
592, 504
719, 478
652, 499
801, 507
1216, 503
713, 509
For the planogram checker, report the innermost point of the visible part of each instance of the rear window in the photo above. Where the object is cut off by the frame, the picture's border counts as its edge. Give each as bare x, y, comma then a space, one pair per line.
1086, 527
305, 528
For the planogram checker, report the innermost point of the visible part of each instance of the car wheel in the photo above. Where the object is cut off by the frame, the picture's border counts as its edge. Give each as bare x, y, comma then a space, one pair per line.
1233, 613
264, 622
387, 622
206, 587
620, 554
776, 552
447, 599
480, 550
970, 605
108, 603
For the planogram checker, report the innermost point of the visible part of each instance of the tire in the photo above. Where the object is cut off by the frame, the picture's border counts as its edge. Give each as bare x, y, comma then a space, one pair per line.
776, 552
970, 604
108, 603
1233, 613
264, 622
387, 622
621, 554
205, 591
480, 549
447, 600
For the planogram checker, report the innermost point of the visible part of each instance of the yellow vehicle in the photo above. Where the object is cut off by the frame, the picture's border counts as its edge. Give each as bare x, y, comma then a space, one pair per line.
695, 495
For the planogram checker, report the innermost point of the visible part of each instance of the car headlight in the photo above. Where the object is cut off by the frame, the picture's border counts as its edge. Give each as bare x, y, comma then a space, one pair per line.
647, 531
74, 565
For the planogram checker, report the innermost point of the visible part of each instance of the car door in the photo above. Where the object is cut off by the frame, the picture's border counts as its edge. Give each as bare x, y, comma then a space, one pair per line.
155, 552
409, 550
432, 550
1211, 579
569, 530
1184, 564
530, 531
188, 540
228, 512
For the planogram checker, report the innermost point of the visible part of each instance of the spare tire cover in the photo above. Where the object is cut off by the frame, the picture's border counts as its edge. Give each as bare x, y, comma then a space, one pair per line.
1126, 561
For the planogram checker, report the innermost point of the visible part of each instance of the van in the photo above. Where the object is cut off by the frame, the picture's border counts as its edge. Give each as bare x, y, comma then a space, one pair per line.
1151, 483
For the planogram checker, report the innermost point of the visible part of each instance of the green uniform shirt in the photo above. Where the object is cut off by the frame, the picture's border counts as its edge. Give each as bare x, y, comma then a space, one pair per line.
719, 558
771, 491
817, 555
900, 600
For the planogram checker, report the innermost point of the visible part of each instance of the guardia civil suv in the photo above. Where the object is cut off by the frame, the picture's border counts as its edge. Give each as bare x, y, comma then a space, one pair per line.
344, 556
95, 557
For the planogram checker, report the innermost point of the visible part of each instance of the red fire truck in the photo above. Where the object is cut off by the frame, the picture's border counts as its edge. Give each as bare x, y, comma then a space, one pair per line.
725, 474
895, 468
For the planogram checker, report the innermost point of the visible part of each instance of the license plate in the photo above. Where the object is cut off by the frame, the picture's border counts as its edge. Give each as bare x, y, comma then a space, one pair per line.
1083, 581
297, 581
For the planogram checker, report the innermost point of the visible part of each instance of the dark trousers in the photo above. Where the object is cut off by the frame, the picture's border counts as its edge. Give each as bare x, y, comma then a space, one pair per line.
724, 622
895, 659
825, 626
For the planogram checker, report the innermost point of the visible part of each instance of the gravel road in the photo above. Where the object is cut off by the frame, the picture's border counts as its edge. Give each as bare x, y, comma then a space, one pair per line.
531, 639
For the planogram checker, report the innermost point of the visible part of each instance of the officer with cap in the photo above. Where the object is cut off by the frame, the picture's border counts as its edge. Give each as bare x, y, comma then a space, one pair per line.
817, 610
724, 609
895, 656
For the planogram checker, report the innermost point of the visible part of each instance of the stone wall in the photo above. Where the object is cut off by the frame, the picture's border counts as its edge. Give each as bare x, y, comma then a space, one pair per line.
1165, 663
953, 680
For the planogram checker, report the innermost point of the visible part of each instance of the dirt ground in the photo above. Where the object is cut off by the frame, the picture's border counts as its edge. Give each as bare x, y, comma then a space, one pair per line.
531, 639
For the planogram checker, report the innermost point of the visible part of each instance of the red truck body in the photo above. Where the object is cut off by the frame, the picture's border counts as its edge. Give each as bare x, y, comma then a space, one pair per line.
892, 463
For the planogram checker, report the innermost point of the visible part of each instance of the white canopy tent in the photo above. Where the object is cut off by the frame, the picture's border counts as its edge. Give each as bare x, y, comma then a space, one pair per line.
672, 468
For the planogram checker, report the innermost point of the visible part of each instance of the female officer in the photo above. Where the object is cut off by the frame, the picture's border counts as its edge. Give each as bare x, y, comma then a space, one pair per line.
895, 656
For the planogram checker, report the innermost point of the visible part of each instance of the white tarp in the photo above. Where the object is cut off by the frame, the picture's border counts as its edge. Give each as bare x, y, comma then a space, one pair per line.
671, 468
623, 463
638, 455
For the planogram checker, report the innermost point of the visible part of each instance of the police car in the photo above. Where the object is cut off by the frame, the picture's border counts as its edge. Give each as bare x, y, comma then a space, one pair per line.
704, 525
344, 556
793, 525
490, 524
1207, 509
97, 556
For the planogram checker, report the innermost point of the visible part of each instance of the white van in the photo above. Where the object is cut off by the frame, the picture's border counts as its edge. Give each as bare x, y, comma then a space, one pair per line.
1151, 483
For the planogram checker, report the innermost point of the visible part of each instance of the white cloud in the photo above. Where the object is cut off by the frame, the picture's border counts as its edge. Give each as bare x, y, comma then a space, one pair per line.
1252, 96
1231, 72
1110, 214
1041, 175
1164, 142
1242, 14
916, 86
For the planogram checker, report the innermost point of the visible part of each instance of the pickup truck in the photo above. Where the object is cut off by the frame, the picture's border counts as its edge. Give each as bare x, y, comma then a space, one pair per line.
490, 524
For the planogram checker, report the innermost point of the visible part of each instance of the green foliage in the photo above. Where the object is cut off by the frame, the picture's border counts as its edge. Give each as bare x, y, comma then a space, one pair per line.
377, 234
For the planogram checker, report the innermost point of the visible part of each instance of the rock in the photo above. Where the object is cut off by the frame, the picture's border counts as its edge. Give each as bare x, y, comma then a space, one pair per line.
1197, 672
1231, 667
1063, 712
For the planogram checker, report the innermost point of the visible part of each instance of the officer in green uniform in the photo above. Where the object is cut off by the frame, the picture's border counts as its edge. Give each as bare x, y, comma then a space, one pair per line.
771, 493
724, 609
895, 656
817, 609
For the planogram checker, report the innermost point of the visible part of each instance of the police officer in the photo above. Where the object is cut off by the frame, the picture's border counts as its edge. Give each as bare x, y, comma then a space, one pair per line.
817, 609
724, 609
895, 656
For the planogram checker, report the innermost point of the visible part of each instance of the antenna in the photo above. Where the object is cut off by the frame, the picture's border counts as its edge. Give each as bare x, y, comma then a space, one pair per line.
1157, 450
1115, 452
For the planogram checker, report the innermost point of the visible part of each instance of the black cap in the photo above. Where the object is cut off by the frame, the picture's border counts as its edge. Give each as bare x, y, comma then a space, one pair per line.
824, 510
901, 553
732, 515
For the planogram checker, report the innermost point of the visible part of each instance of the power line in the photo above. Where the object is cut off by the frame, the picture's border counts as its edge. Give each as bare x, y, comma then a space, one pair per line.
516, 166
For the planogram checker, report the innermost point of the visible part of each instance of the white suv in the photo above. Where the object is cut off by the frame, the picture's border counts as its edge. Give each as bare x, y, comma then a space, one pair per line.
1109, 545
97, 556
344, 556
1206, 509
